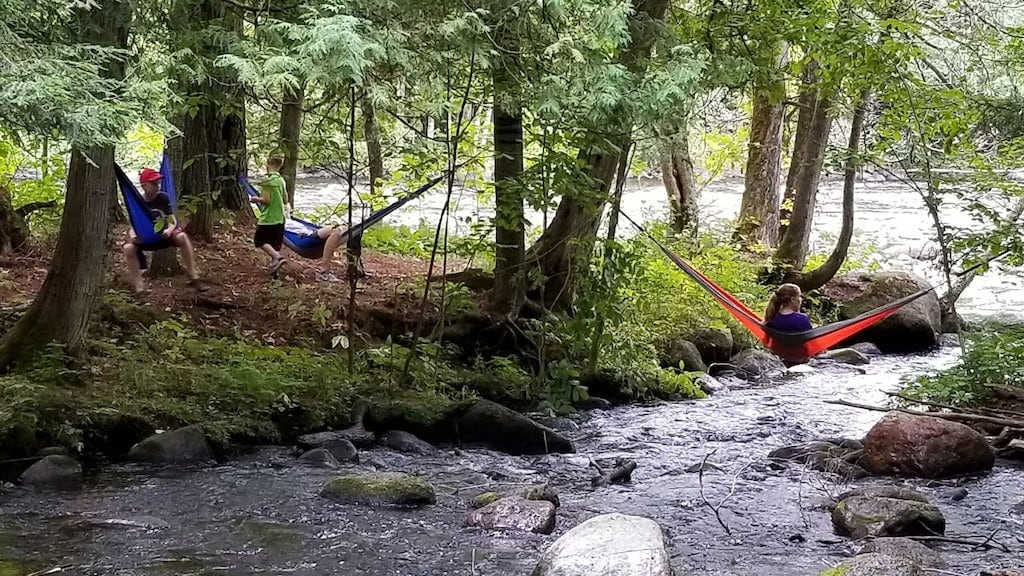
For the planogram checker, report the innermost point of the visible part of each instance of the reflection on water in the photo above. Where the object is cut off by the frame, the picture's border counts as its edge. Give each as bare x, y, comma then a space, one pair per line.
262, 513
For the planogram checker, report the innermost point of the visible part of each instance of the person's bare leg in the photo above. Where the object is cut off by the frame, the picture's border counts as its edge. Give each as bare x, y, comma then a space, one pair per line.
188, 255
131, 261
276, 259
332, 241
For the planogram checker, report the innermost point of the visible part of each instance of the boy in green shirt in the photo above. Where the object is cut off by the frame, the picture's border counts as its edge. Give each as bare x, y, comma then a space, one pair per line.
269, 235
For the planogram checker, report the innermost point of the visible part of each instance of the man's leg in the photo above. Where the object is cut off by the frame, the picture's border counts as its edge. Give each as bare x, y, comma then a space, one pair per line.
188, 255
131, 261
332, 240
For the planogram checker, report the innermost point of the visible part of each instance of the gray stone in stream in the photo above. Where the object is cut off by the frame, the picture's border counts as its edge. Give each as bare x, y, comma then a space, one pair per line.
486, 499
709, 384
52, 472
862, 516
924, 447
593, 403
866, 348
502, 429
714, 344
1003, 572
558, 423
914, 328
319, 457
846, 356
515, 513
357, 435
752, 364
406, 442
895, 492
876, 565
186, 444
540, 492
380, 489
608, 545
906, 549
679, 353
53, 451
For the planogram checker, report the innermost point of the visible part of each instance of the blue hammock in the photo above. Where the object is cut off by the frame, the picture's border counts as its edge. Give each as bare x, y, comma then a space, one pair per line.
146, 228
300, 236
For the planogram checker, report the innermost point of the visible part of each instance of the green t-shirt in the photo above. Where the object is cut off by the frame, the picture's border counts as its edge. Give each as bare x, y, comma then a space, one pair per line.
273, 213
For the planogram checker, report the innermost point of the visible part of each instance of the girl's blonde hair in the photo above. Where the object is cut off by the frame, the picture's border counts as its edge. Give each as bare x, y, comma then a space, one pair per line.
784, 295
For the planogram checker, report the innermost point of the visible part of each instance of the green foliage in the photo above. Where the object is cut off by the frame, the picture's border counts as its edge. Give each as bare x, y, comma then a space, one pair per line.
994, 355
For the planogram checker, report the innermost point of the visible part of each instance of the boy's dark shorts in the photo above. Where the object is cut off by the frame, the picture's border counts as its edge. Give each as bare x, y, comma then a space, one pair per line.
272, 234
162, 244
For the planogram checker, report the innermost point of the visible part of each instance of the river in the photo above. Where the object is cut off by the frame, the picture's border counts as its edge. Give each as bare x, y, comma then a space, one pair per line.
261, 513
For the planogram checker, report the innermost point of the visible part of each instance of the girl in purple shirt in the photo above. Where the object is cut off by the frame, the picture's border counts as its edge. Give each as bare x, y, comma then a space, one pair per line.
783, 313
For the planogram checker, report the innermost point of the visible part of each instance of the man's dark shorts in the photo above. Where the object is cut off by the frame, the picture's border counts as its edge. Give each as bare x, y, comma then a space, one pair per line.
272, 234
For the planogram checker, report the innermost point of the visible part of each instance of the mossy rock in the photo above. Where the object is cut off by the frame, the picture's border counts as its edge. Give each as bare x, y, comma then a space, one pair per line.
381, 489
863, 516
486, 499
876, 565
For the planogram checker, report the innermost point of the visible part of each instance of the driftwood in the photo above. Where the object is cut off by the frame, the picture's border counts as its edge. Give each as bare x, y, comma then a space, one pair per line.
963, 410
953, 416
621, 473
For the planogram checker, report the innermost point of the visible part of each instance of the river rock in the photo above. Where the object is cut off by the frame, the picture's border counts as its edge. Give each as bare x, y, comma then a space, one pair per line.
866, 348
608, 545
825, 456
502, 429
592, 403
557, 423
357, 436
319, 457
906, 549
486, 499
680, 353
541, 492
881, 512
850, 356
52, 472
876, 565
514, 513
383, 488
714, 344
709, 384
406, 442
914, 328
753, 364
925, 447
183, 445
1002, 572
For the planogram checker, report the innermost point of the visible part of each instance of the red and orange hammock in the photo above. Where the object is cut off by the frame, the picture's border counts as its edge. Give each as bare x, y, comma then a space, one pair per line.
790, 346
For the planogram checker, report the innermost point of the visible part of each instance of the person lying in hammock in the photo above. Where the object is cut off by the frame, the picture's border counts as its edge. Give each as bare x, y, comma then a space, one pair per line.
332, 236
783, 312
172, 236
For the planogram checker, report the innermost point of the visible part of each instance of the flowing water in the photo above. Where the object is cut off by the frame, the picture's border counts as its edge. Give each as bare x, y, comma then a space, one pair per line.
260, 513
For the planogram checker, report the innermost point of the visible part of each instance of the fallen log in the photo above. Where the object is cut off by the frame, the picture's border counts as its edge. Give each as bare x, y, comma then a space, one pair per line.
620, 474
963, 410
953, 416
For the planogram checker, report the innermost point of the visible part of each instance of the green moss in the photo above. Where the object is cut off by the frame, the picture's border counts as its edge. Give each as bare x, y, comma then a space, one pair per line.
839, 570
486, 499
376, 489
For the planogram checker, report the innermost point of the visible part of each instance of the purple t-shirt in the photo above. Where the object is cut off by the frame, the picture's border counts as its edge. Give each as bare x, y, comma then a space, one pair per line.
794, 322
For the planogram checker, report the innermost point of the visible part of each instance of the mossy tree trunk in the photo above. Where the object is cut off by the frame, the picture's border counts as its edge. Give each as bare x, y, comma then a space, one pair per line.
681, 183
14, 230
290, 132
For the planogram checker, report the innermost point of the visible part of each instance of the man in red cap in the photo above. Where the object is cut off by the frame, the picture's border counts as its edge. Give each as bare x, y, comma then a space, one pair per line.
159, 205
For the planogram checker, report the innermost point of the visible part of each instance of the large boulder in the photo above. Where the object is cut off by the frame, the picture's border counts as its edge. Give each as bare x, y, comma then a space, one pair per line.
179, 446
406, 442
53, 471
714, 344
925, 447
609, 545
319, 457
515, 513
887, 511
753, 364
876, 565
497, 427
906, 549
679, 353
914, 328
380, 489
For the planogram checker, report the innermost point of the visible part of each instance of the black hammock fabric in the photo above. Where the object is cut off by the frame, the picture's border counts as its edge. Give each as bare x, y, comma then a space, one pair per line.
301, 237
791, 346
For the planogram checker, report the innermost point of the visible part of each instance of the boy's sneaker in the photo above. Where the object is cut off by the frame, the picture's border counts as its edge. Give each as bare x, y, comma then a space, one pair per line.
275, 265
327, 277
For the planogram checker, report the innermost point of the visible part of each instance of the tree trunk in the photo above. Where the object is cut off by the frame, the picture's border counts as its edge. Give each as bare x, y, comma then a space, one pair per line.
805, 117
290, 133
564, 248
681, 183
13, 228
62, 309
509, 233
371, 131
820, 276
794, 244
758, 221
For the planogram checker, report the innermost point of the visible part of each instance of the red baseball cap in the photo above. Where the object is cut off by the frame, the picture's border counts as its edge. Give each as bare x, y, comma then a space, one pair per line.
149, 175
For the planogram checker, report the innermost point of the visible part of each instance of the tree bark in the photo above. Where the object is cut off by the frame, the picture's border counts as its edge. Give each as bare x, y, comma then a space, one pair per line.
509, 217
758, 221
793, 246
371, 132
62, 309
564, 248
290, 131
681, 184
805, 117
14, 230
820, 276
